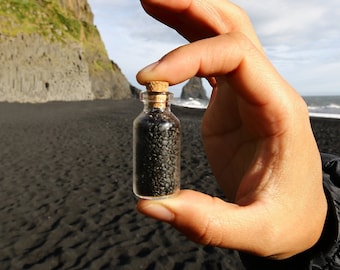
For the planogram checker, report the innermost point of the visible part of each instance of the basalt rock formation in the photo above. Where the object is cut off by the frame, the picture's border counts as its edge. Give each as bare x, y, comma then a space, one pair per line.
194, 89
51, 50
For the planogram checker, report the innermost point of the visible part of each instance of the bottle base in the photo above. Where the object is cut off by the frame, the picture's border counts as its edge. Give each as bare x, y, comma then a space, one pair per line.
148, 197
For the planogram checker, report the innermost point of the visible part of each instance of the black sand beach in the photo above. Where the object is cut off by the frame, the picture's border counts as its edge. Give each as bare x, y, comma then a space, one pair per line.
66, 195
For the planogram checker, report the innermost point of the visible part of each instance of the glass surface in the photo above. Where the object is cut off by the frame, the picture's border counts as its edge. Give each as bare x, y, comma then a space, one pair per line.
156, 150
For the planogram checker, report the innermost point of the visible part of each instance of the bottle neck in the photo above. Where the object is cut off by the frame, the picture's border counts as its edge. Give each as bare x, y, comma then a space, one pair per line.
156, 101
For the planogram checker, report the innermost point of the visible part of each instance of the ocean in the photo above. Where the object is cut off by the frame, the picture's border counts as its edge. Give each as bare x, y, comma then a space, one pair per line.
319, 106
323, 106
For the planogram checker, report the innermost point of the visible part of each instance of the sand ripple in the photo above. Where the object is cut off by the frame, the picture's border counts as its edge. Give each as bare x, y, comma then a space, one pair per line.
65, 189
66, 198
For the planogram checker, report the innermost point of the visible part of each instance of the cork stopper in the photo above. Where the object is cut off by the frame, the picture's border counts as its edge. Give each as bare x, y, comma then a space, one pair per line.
157, 94
157, 86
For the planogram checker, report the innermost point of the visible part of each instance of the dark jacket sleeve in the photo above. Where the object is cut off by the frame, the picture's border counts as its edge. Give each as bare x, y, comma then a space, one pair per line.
325, 255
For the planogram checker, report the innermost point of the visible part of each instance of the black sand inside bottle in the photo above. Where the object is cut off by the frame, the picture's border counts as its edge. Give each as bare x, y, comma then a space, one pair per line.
156, 145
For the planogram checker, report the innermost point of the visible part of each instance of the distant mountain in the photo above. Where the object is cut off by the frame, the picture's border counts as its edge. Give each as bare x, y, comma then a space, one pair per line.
51, 50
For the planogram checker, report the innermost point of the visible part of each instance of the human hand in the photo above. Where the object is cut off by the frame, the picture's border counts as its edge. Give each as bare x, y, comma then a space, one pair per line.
256, 135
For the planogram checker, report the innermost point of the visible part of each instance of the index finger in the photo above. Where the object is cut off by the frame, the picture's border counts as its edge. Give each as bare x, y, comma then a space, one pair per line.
233, 58
196, 20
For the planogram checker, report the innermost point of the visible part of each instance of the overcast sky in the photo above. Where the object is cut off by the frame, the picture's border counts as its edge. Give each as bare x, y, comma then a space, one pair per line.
302, 39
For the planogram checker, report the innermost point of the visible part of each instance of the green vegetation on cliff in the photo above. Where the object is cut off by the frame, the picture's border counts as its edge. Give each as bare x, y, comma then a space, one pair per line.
50, 20
64, 24
44, 17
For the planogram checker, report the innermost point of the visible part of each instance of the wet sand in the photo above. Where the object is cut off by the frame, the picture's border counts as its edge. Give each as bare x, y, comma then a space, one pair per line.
66, 197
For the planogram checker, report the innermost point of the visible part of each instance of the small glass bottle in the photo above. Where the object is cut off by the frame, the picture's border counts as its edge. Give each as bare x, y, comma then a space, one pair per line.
156, 145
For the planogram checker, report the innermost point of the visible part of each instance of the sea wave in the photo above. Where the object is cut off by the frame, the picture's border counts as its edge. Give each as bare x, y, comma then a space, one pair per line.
325, 115
191, 103
327, 111
323, 111
329, 107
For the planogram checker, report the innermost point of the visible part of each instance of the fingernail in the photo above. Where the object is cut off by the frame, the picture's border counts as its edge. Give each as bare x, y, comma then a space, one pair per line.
150, 67
158, 211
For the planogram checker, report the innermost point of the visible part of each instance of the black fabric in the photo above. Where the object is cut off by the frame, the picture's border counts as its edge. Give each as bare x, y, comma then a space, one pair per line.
325, 255
331, 166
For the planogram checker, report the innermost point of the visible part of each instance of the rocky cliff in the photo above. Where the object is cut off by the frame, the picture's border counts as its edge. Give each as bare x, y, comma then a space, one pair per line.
194, 89
50, 50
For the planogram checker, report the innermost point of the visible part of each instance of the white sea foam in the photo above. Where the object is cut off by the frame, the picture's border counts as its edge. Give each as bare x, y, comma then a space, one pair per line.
325, 115
325, 111
324, 107
330, 110
191, 103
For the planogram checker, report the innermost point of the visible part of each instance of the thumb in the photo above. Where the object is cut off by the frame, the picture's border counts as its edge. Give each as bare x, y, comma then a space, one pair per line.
209, 220
231, 56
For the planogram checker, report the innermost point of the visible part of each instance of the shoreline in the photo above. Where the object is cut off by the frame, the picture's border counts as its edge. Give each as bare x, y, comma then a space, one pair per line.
325, 115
